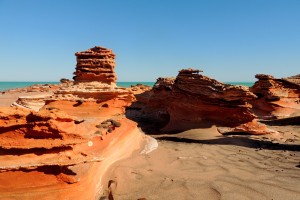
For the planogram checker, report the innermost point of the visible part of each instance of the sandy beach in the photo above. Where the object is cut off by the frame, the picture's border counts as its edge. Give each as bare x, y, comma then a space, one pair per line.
202, 164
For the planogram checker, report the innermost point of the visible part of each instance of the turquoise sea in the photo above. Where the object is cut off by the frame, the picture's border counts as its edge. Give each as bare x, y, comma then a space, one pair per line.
11, 85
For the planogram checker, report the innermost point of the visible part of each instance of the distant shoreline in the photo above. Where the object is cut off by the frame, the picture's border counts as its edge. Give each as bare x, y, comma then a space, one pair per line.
6, 85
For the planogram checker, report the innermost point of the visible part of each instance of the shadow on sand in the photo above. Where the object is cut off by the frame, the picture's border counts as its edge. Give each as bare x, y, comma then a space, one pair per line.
242, 141
283, 122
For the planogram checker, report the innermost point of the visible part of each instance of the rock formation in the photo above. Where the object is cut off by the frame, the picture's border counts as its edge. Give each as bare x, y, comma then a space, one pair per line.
95, 79
293, 79
65, 146
193, 101
32, 102
277, 98
52, 155
95, 64
52, 136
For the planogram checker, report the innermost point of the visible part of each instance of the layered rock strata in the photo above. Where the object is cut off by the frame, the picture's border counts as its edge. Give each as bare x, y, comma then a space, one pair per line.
52, 155
32, 102
92, 91
192, 100
44, 138
95, 64
95, 79
277, 98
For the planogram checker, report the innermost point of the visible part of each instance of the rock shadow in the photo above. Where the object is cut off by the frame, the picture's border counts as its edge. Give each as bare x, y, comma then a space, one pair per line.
283, 122
149, 123
36, 151
236, 141
51, 170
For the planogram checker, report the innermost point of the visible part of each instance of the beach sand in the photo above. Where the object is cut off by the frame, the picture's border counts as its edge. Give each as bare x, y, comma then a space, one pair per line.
202, 164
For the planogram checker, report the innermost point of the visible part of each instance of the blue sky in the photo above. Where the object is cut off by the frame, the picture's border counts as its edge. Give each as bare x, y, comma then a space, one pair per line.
231, 40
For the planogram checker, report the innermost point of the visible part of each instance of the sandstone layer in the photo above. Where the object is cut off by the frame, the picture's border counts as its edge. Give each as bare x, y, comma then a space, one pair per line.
94, 80
192, 100
52, 155
277, 98
95, 64
32, 102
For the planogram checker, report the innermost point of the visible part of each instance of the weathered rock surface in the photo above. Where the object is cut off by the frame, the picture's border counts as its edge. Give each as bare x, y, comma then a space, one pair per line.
92, 91
52, 155
68, 138
277, 98
40, 139
95, 64
94, 80
293, 79
139, 88
194, 101
32, 102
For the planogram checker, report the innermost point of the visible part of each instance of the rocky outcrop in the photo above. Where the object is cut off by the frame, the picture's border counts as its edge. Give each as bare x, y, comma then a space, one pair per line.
277, 98
293, 79
192, 100
43, 153
139, 88
34, 88
95, 64
52, 136
92, 91
65, 142
94, 80
32, 102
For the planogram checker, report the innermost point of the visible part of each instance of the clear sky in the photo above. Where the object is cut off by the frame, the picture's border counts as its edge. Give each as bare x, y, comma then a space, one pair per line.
231, 40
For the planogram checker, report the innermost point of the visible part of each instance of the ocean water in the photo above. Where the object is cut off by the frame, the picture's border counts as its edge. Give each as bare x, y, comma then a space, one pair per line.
128, 84
248, 84
12, 85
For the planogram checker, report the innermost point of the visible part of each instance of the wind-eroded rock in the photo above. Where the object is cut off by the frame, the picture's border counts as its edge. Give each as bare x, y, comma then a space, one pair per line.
193, 101
95, 64
92, 91
32, 102
277, 98
94, 80
43, 152
69, 137
45, 138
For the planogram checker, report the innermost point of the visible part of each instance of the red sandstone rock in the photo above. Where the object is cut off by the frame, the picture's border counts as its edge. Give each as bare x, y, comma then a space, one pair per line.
72, 139
253, 127
139, 88
193, 101
72, 172
277, 98
95, 64
293, 79
94, 80
51, 135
